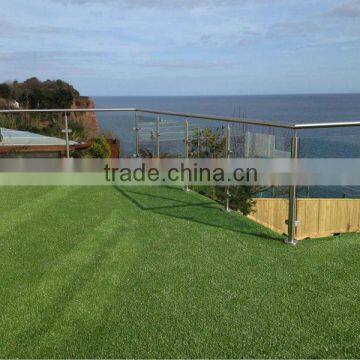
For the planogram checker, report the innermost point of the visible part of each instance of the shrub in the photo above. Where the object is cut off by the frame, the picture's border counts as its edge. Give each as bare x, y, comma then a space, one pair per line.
3, 103
210, 143
100, 148
5, 91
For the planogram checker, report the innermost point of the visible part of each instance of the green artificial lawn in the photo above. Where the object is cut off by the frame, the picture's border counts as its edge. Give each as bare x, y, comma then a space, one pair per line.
156, 272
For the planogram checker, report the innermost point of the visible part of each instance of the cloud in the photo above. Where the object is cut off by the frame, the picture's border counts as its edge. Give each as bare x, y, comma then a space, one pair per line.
8, 28
49, 56
50, 64
295, 28
350, 9
189, 64
169, 4
247, 37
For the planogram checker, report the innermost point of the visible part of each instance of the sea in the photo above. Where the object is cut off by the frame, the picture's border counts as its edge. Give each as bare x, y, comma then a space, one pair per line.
290, 109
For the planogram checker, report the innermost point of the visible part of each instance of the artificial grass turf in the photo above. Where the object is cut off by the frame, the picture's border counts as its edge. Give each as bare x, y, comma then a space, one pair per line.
155, 272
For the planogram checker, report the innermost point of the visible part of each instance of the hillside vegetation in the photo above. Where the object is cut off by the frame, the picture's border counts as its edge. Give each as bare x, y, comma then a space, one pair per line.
49, 94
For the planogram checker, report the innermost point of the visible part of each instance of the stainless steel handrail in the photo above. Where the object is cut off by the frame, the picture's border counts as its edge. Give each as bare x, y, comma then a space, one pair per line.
195, 116
156, 112
218, 118
326, 125
14, 111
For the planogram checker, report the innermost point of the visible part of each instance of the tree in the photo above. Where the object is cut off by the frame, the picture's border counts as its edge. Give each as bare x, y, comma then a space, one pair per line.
34, 94
5, 91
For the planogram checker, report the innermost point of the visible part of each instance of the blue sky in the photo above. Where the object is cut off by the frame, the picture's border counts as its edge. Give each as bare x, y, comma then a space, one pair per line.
184, 47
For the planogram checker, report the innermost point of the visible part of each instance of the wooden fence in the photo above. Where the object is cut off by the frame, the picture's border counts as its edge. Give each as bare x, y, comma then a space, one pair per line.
318, 217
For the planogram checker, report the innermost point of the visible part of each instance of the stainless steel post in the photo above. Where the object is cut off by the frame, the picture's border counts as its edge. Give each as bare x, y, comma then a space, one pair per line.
292, 219
186, 148
158, 137
137, 129
67, 136
227, 155
198, 142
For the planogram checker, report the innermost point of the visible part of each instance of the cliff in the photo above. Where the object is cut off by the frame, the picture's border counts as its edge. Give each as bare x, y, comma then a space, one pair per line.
88, 120
49, 94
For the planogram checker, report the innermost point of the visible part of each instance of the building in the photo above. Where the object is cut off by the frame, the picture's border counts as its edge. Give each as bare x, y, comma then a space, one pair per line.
15, 143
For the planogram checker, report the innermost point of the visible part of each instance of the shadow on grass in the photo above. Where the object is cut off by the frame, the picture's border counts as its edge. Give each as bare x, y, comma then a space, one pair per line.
185, 207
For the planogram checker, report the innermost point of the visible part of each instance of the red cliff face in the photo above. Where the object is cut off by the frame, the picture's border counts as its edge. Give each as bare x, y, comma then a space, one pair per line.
88, 119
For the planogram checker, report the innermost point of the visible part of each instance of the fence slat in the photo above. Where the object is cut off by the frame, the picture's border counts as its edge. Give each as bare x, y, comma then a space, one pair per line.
318, 217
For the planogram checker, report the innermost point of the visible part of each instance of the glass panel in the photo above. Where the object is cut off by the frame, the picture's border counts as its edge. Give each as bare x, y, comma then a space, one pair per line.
329, 143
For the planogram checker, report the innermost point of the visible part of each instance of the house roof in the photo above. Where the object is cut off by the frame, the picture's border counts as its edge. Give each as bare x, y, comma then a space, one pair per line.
10, 137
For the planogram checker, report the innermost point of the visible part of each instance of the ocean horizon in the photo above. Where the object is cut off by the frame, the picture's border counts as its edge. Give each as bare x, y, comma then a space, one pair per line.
287, 108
